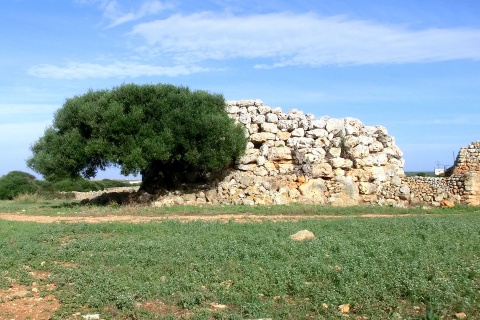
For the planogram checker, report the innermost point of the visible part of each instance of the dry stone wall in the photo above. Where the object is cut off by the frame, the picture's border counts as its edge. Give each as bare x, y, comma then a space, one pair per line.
294, 157
468, 159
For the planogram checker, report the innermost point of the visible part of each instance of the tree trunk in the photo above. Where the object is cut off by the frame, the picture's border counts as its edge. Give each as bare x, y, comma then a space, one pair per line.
156, 177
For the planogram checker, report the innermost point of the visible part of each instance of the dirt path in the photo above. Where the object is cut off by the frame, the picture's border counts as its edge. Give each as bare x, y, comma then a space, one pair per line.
185, 218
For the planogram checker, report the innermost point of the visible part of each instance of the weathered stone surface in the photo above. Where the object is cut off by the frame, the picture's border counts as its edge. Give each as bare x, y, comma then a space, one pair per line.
302, 235
339, 159
314, 190
322, 170
279, 153
262, 137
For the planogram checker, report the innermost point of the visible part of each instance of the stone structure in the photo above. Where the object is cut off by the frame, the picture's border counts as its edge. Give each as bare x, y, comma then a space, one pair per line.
293, 157
468, 160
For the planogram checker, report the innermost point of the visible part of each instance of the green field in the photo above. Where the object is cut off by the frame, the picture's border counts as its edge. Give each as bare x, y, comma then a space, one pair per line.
403, 267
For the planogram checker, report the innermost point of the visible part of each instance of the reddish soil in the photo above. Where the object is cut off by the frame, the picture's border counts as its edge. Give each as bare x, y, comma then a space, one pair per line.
184, 218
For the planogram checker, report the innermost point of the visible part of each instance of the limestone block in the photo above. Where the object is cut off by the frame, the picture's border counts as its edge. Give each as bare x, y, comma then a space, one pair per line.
314, 190
246, 167
269, 127
305, 124
381, 131
404, 192
258, 119
261, 161
286, 168
346, 192
379, 159
211, 195
359, 151
296, 114
271, 117
359, 175
279, 153
277, 110
250, 156
375, 146
270, 166
353, 126
341, 163
393, 151
319, 124
287, 125
262, 137
252, 128
300, 142
244, 118
264, 150
283, 135
299, 132
334, 152
316, 133
322, 142
232, 109
322, 170
351, 141
263, 110
366, 140
335, 125
367, 188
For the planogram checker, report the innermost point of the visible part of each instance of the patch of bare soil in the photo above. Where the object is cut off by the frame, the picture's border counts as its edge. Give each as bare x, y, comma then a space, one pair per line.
183, 218
32, 302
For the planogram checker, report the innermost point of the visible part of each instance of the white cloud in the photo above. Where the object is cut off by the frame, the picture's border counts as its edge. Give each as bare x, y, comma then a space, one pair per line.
286, 39
77, 70
114, 11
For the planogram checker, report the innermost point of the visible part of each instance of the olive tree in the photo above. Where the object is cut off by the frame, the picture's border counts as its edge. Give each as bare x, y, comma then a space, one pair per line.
165, 133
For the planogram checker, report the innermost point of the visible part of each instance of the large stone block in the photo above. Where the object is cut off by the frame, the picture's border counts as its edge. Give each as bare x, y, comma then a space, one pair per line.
279, 153
262, 137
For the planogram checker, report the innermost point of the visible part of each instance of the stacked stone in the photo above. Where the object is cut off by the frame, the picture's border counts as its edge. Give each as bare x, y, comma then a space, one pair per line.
433, 190
468, 159
294, 157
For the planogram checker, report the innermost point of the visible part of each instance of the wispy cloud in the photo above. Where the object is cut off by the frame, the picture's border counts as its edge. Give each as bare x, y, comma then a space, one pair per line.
287, 39
184, 42
76, 70
115, 12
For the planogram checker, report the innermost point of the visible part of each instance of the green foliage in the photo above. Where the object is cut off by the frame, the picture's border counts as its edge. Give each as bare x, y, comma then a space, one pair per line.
156, 130
16, 182
24, 187
29, 198
422, 267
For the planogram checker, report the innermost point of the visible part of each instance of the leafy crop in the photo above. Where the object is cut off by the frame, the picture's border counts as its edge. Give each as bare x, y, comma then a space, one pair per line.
422, 267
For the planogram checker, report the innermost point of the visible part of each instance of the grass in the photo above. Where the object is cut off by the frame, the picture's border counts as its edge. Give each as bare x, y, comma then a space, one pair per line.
417, 267
72, 208
25, 198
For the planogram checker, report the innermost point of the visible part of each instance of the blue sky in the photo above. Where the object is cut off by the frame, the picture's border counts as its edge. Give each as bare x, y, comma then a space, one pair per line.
411, 66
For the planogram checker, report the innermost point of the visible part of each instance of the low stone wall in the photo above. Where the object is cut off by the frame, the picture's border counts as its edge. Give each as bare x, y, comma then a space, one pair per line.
432, 190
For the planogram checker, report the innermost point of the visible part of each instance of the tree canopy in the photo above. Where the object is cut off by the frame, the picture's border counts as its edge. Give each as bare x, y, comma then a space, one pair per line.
163, 132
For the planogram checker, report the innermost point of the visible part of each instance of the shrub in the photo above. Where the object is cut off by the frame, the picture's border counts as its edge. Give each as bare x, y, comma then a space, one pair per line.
168, 134
15, 183
28, 198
